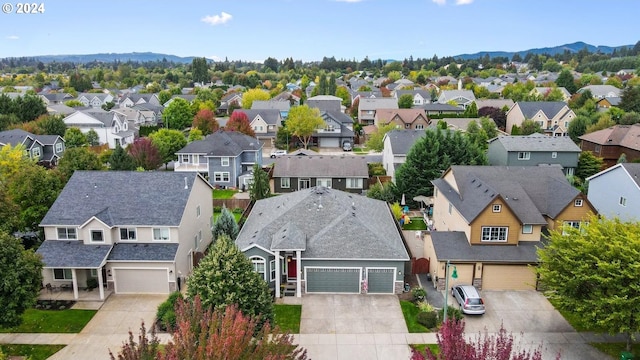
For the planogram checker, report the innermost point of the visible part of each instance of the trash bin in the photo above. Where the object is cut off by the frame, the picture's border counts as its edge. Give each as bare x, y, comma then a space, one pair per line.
625, 355
407, 287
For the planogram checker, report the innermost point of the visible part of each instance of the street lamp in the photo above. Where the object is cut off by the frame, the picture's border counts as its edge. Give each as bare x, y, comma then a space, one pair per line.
454, 275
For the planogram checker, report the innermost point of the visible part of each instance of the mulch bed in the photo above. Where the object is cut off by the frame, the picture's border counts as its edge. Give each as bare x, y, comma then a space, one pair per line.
54, 304
413, 282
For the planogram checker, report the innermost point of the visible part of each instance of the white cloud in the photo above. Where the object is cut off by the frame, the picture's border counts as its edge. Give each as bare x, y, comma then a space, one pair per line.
463, 2
440, 2
13, 37
223, 18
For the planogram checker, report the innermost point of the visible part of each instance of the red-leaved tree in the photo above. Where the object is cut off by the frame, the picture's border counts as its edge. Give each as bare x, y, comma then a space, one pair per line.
454, 345
145, 154
205, 120
203, 334
238, 121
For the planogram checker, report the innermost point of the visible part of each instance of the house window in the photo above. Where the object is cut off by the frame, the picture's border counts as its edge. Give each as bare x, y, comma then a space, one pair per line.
97, 236
184, 159
494, 233
221, 176
35, 152
272, 270
198, 211
497, 208
62, 274
128, 234
354, 183
527, 229
58, 147
406, 126
597, 149
258, 265
224, 161
285, 183
94, 273
577, 202
326, 182
567, 225
570, 171
524, 155
623, 201
67, 234
419, 127
554, 154
160, 234
329, 127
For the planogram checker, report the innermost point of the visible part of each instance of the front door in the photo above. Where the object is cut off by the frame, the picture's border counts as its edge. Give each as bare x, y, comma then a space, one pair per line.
304, 184
292, 269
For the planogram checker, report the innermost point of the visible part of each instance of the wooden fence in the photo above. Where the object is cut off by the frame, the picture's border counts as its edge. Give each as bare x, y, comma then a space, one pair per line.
231, 203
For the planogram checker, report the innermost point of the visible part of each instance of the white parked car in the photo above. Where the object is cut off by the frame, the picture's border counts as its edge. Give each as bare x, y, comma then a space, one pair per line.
276, 153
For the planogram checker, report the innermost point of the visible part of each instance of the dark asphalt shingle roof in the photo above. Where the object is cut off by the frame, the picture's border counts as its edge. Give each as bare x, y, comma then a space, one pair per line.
402, 140
143, 252
534, 143
335, 224
549, 108
453, 246
270, 116
122, 198
14, 137
222, 143
72, 254
321, 166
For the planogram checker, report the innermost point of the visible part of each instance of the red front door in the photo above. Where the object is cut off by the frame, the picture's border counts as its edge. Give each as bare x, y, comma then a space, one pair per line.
291, 268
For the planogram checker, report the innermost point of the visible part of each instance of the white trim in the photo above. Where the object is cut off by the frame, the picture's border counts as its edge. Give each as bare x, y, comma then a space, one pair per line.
92, 218
259, 247
115, 284
91, 231
259, 259
153, 235
272, 270
395, 277
306, 283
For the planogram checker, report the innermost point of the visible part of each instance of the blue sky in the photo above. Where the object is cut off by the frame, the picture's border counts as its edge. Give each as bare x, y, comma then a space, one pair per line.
309, 30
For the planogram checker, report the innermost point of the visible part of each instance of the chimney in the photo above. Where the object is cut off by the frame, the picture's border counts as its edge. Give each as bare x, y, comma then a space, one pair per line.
459, 84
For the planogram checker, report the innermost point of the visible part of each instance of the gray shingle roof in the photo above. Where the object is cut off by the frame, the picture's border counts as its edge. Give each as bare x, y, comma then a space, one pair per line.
336, 225
222, 143
321, 166
143, 252
14, 137
537, 143
402, 140
453, 245
122, 198
72, 254
270, 116
549, 108
634, 170
270, 105
529, 191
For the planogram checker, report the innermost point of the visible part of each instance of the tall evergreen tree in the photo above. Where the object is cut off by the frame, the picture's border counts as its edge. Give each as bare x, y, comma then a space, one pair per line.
259, 188
565, 79
225, 225
121, 160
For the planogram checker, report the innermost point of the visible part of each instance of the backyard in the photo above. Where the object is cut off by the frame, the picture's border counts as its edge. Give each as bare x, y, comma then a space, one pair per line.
52, 321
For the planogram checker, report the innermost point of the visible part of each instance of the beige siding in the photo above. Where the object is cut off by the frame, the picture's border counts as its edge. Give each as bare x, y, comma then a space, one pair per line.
445, 221
84, 233
534, 236
572, 212
465, 273
508, 277
489, 218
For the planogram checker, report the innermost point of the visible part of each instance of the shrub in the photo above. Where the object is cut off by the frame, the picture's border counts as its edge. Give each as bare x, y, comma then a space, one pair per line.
166, 314
237, 210
428, 319
452, 313
92, 283
419, 294
217, 209
425, 306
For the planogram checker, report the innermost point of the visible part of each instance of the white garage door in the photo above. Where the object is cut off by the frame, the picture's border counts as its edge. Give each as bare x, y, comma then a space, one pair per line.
329, 142
508, 277
465, 274
141, 281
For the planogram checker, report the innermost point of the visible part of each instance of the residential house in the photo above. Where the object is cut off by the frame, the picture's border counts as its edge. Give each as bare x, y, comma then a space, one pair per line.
373, 94
45, 149
228, 102
143, 114
322, 240
188, 97
552, 116
488, 222
112, 127
495, 103
543, 91
601, 91
287, 96
397, 144
337, 129
94, 100
265, 123
535, 149
346, 173
440, 109
225, 157
606, 103
110, 226
456, 123
611, 143
131, 99
325, 103
615, 192
55, 98
420, 97
463, 98
61, 109
414, 119
281, 106
367, 108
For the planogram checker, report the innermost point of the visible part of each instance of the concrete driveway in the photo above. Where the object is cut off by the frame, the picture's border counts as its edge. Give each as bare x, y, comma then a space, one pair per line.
109, 328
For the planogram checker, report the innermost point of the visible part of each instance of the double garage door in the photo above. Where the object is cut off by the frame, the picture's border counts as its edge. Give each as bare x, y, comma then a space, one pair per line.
508, 277
347, 280
141, 281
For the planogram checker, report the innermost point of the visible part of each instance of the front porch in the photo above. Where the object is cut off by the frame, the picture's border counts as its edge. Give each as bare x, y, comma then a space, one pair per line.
66, 293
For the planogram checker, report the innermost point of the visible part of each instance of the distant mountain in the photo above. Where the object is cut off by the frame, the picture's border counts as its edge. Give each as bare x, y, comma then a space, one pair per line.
574, 48
111, 57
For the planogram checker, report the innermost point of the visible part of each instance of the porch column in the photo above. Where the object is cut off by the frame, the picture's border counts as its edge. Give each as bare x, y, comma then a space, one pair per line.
74, 280
100, 283
278, 265
298, 275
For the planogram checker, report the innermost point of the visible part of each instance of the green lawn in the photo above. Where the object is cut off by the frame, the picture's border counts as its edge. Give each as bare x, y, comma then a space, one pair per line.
410, 311
52, 321
32, 352
236, 216
575, 320
615, 349
417, 223
361, 150
223, 193
287, 317
423, 347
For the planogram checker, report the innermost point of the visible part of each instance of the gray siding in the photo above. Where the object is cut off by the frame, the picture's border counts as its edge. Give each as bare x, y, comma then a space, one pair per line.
605, 192
497, 154
336, 183
564, 159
